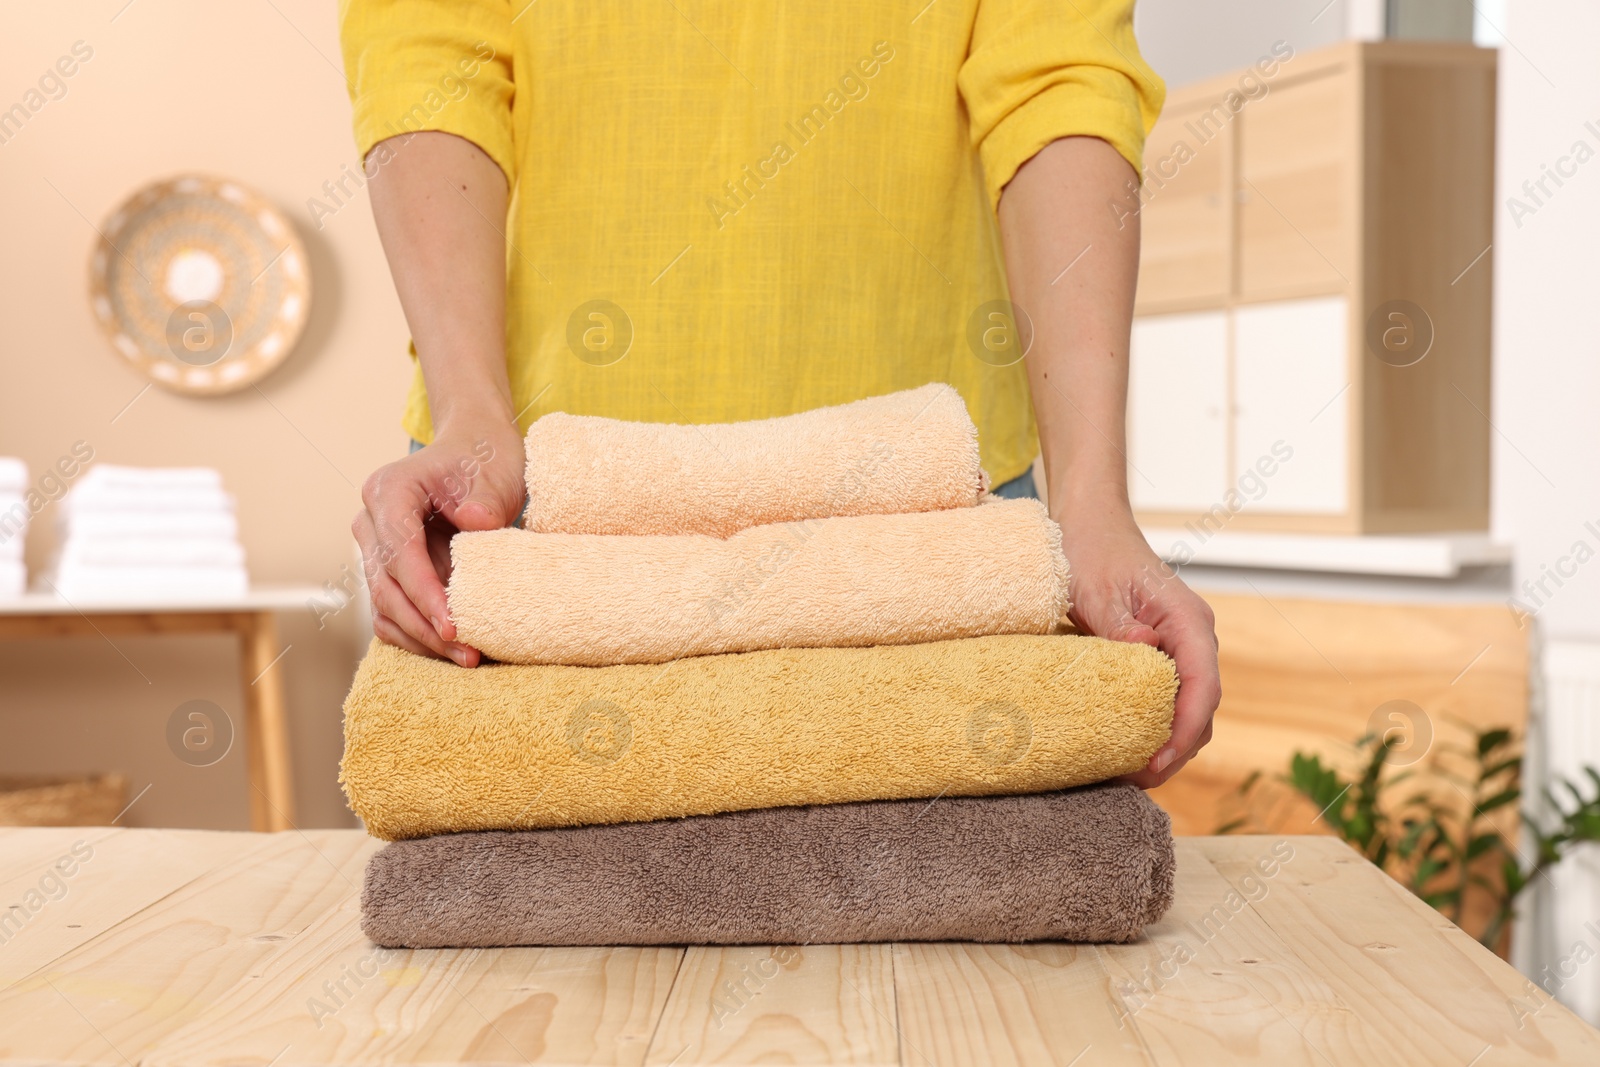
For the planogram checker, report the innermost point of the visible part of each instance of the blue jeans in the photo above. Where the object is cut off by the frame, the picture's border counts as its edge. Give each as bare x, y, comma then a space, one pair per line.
1018, 488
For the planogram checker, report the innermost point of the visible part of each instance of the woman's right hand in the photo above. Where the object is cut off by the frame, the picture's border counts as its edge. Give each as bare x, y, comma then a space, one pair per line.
412, 508
440, 205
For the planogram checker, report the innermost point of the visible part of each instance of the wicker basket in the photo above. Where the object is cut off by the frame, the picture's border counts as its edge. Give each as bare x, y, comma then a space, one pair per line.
92, 801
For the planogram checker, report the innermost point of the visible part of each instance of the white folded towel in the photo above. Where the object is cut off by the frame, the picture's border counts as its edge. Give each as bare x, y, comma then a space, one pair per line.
102, 499
151, 552
14, 518
13, 476
160, 584
152, 477
154, 534
13, 579
186, 524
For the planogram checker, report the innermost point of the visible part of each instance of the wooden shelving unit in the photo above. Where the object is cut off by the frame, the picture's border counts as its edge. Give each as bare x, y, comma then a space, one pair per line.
1316, 281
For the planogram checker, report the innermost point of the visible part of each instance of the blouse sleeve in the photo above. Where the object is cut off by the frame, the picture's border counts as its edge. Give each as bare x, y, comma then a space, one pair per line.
441, 65
1039, 70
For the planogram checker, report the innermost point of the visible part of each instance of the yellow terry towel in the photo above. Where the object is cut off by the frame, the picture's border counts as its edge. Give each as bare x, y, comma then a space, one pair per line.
432, 748
594, 600
915, 450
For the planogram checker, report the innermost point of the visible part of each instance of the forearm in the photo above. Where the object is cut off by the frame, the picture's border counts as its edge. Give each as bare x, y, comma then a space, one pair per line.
1072, 258
1072, 263
440, 206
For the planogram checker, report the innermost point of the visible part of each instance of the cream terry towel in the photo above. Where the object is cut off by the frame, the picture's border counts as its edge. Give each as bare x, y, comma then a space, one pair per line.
433, 748
593, 600
910, 451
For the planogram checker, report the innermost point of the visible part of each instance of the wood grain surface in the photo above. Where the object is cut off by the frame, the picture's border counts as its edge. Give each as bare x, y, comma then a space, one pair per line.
158, 947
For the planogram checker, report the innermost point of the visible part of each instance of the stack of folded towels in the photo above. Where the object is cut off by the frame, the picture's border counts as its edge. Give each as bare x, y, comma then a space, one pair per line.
14, 516
156, 532
790, 681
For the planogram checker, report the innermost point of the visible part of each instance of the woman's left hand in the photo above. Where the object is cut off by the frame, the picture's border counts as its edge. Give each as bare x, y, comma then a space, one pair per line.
1122, 591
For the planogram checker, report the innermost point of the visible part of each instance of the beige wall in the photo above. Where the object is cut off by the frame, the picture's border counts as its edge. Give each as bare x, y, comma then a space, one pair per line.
231, 89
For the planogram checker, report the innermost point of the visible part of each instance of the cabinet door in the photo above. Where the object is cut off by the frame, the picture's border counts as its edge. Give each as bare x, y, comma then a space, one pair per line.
1184, 218
1297, 188
1177, 407
1292, 396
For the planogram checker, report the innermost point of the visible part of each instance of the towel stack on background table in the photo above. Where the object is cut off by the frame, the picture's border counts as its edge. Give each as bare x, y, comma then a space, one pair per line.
148, 533
791, 681
14, 516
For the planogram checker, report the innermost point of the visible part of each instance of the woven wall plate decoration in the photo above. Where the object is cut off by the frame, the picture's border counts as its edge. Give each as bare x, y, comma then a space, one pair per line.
201, 284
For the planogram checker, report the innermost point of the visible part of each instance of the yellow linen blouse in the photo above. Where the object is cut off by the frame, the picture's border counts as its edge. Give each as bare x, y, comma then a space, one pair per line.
729, 209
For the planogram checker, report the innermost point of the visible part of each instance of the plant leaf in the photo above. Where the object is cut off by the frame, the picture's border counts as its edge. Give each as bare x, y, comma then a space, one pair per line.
1490, 740
1499, 800
1480, 844
1514, 763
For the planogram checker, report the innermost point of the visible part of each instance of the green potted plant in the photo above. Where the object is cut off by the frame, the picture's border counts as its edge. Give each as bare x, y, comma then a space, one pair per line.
1408, 822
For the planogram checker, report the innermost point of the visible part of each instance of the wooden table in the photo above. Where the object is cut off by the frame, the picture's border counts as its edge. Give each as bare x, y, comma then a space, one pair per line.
174, 947
251, 618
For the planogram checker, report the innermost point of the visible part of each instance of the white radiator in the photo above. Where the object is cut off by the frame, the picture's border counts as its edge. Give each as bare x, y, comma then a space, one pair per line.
1559, 935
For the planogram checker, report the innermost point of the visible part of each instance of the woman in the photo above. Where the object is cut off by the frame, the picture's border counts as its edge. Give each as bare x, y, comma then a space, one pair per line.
719, 210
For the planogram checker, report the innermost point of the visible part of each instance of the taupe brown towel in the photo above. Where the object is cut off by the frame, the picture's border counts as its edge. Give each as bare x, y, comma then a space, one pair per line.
1089, 864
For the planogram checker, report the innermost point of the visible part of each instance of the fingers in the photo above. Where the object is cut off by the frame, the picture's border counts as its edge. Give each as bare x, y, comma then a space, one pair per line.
485, 491
395, 619
412, 509
386, 631
1148, 777
1182, 628
398, 508
1133, 632
483, 513
389, 601
1104, 613
1188, 637
1125, 593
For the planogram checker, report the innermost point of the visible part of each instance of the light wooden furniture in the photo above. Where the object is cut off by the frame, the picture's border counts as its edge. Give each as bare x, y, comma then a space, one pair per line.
202, 948
1443, 555
1310, 674
251, 618
1314, 675
1283, 217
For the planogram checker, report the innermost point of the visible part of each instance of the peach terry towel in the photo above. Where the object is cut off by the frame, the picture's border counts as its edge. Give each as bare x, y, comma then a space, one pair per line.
1091, 864
915, 450
434, 748
593, 600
